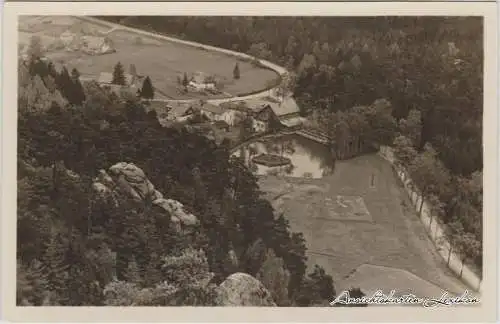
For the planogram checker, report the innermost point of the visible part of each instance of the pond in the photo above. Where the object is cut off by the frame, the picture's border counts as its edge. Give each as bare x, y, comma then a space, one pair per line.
309, 159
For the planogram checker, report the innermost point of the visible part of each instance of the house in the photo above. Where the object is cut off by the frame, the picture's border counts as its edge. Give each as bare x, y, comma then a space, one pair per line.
117, 89
107, 78
232, 117
171, 112
263, 116
212, 112
259, 126
265, 119
200, 81
234, 112
179, 111
287, 111
222, 125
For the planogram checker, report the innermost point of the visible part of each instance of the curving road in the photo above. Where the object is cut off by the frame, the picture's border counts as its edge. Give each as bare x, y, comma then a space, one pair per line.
281, 71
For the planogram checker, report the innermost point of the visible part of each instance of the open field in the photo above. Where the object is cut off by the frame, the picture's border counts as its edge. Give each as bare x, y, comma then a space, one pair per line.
161, 60
389, 234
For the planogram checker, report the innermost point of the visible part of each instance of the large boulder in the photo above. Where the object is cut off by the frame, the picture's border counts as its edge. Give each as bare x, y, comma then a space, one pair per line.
129, 180
241, 289
176, 210
132, 180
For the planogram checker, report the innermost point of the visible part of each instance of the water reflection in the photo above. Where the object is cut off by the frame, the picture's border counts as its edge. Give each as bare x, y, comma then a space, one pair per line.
309, 159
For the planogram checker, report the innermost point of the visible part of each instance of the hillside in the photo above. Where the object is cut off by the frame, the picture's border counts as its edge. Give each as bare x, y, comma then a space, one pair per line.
114, 209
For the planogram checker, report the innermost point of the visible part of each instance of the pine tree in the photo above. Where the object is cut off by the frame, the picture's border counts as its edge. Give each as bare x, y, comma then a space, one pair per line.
236, 71
132, 273
185, 80
147, 91
132, 70
56, 267
152, 273
35, 48
52, 70
75, 74
64, 83
31, 283
38, 67
275, 277
118, 75
77, 92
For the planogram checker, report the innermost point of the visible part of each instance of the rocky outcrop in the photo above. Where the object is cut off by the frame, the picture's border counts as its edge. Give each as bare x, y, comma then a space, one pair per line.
179, 217
241, 289
129, 180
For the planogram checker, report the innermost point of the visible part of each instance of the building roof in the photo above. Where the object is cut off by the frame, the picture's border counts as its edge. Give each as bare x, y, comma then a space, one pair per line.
199, 77
239, 105
286, 107
178, 109
116, 89
211, 108
256, 105
221, 124
106, 77
260, 115
293, 121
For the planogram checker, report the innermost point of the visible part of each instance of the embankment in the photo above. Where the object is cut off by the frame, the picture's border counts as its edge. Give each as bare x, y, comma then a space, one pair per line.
434, 228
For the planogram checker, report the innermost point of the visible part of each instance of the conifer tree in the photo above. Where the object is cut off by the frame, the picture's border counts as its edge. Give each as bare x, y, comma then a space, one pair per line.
75, 74
77, 92
152, 273
64, 83
236, 71
132, 273
147, 91
56, 267
32, 283
52, 70
185, 80
132, 70
35, 47
118, 75
275, 277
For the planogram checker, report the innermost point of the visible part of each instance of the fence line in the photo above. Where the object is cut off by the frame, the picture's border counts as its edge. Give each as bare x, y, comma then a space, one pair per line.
433, 227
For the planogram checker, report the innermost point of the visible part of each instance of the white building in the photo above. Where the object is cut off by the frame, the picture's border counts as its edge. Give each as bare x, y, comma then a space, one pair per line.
200, 82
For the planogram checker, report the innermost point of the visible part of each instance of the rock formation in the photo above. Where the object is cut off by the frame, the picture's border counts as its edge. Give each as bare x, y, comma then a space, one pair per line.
241, 289
129, 180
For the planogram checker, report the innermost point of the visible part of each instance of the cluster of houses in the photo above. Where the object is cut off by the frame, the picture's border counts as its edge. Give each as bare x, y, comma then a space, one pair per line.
105, 79
265, 114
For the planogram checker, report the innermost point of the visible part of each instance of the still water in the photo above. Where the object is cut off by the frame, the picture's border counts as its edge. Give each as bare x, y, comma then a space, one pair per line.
309, 159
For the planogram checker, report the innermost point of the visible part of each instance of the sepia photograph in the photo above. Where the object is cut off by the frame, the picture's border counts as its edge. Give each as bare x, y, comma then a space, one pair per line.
254, 160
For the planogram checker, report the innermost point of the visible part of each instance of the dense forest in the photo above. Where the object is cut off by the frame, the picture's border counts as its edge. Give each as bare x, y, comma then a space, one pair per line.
71, 254
428, 69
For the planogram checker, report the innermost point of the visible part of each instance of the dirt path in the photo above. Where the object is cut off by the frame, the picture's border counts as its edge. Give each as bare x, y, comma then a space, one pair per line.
435, 230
